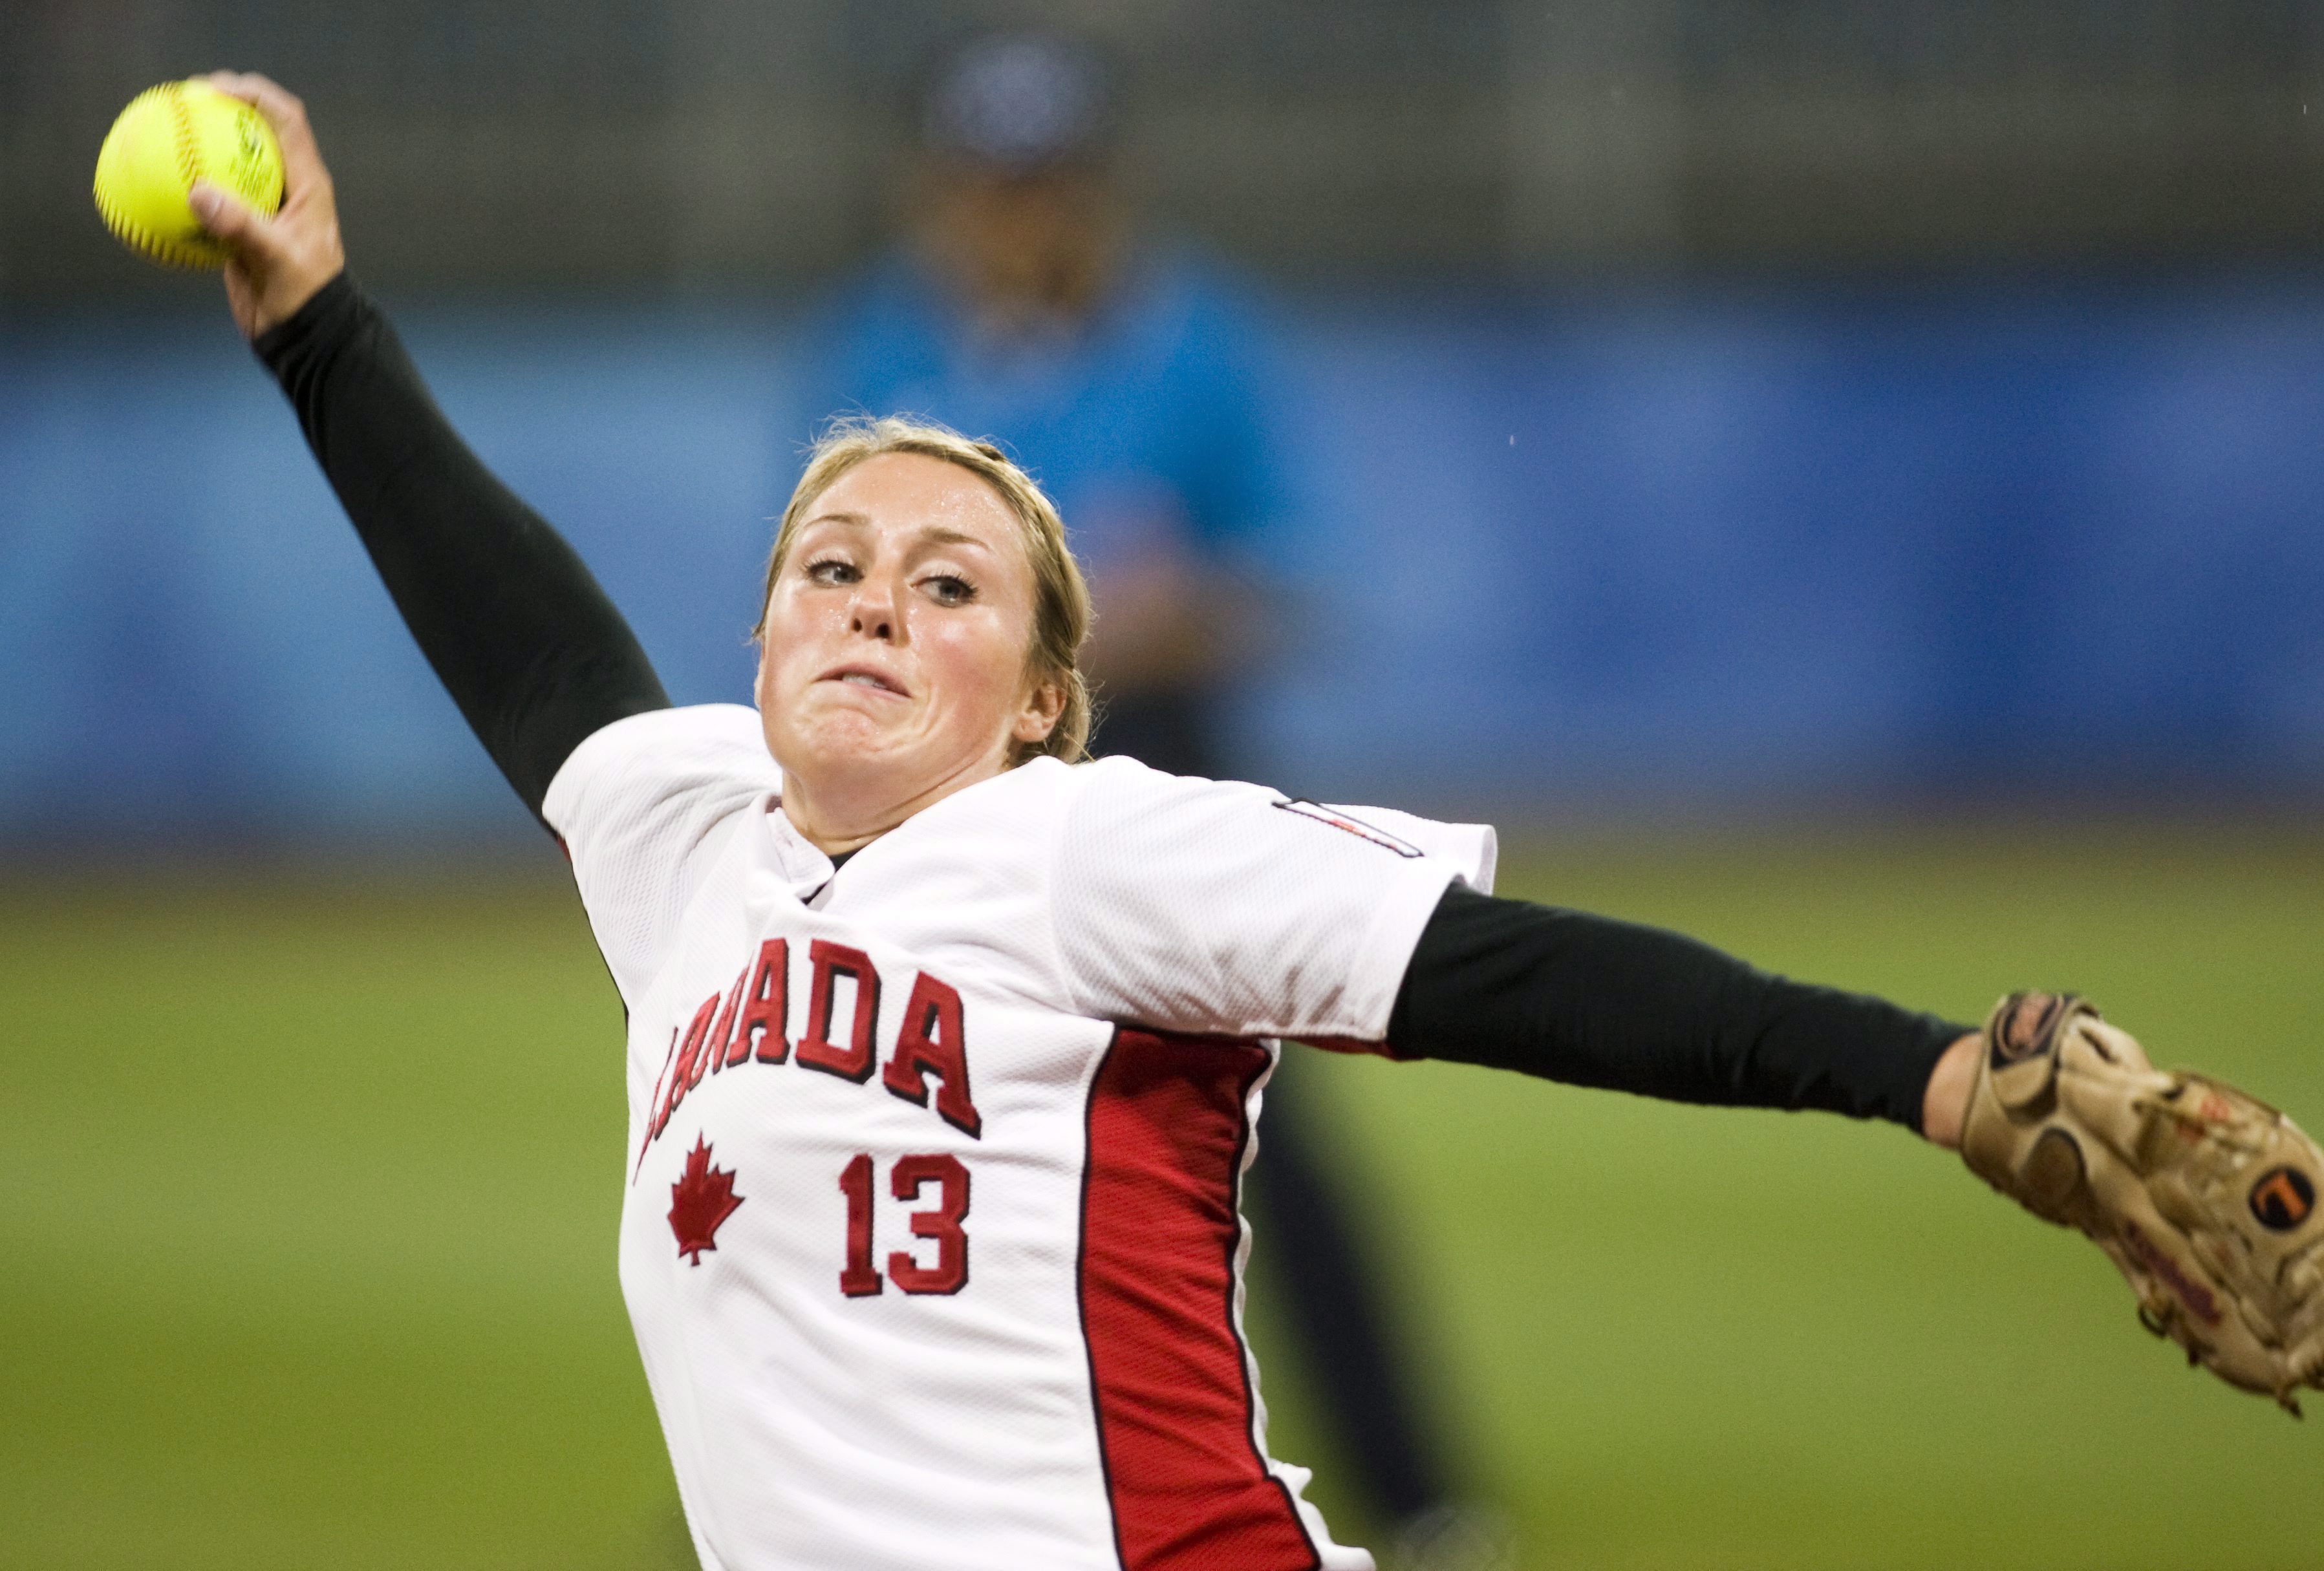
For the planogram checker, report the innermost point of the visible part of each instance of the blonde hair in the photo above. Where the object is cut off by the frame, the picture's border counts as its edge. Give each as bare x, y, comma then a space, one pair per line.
1061, 598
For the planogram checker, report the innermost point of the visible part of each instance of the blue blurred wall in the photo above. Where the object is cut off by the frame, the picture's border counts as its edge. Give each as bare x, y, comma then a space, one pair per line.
1700, 548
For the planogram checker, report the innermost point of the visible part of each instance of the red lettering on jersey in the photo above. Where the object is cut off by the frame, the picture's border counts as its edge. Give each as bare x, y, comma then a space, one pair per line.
765, 1007
949, 1274
815, 1049
659, 1117
932, 1041
859, 1279
714, 1046
692, 1060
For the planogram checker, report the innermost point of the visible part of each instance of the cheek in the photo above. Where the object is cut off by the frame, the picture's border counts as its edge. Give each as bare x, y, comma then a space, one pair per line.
790, 640
981, 660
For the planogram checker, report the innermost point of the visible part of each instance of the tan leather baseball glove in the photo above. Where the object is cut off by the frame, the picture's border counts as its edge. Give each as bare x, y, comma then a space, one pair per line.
2204, 1196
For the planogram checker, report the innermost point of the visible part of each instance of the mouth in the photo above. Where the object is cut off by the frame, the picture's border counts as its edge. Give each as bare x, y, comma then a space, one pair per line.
866, 677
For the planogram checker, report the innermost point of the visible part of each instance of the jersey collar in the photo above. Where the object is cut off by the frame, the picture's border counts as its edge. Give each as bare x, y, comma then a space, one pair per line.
797, 861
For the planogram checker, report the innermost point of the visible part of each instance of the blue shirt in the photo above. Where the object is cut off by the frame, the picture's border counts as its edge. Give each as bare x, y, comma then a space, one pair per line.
1147, 423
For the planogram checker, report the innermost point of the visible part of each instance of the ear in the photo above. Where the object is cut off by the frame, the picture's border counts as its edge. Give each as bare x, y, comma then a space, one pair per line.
1045, 703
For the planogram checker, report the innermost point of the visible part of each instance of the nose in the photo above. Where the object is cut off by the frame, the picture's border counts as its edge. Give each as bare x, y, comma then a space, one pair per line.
873, 610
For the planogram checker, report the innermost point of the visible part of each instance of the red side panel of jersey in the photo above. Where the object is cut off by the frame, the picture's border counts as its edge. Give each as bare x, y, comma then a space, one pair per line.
1160, 1229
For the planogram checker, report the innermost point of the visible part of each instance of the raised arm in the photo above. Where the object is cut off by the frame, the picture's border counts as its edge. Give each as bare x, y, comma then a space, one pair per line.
519, 632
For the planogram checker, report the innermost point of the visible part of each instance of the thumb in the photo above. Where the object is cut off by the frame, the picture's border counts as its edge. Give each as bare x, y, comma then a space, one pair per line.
229, 219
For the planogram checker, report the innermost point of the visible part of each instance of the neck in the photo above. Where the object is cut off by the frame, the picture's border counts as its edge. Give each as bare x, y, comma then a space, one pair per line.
838, 813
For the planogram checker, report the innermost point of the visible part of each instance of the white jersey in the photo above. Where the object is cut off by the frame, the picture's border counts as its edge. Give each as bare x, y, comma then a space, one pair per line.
931, 1236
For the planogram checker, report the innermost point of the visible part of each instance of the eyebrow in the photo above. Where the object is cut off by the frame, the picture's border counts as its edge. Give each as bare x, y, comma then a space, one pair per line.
935, 535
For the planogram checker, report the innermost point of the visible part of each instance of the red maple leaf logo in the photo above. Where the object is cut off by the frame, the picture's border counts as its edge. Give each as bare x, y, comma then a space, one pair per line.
703, 1197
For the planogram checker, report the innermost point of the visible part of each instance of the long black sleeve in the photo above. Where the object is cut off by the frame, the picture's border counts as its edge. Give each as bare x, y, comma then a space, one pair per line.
1592, 1001
520, 633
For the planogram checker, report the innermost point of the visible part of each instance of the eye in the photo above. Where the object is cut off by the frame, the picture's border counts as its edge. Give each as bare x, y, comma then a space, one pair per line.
831, 570
948, 589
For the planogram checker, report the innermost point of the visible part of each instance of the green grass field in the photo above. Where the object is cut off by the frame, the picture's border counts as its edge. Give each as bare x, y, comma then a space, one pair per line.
311, 1187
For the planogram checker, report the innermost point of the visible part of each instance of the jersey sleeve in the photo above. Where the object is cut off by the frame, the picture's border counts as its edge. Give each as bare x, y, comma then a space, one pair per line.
643, 806
1217, 907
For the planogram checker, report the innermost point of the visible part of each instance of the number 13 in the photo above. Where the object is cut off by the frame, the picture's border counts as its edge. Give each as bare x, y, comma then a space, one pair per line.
859, 1279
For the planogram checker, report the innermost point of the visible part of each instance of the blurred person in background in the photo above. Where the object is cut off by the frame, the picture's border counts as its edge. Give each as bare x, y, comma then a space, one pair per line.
1024, 305
1129, 376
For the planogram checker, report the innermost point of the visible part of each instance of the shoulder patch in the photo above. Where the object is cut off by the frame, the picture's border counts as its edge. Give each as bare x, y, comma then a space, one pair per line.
1347, 824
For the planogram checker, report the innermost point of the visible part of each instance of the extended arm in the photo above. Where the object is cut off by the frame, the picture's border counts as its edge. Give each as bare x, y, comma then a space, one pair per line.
527, 645
1593, 1001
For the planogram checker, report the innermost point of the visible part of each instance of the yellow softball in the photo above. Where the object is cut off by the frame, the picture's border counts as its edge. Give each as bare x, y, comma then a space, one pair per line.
168, 138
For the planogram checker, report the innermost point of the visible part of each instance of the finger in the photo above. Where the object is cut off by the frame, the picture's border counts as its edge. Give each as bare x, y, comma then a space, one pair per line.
232, 221
302, 160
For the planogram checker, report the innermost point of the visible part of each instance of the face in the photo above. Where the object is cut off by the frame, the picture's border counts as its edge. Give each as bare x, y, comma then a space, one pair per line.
894, 665
1032, 243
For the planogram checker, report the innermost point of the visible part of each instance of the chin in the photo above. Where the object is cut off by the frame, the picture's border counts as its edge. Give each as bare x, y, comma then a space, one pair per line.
832, 744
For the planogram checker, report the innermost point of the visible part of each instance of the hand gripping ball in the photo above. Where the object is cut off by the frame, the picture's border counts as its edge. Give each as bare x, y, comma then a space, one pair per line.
168, 138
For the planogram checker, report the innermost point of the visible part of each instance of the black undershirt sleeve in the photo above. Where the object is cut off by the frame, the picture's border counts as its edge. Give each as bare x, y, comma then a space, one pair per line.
520, 633
1592, 1001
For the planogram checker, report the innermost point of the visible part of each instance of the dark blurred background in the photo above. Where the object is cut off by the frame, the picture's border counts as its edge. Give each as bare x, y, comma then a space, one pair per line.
656, 148
1838, 476
1678, 402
